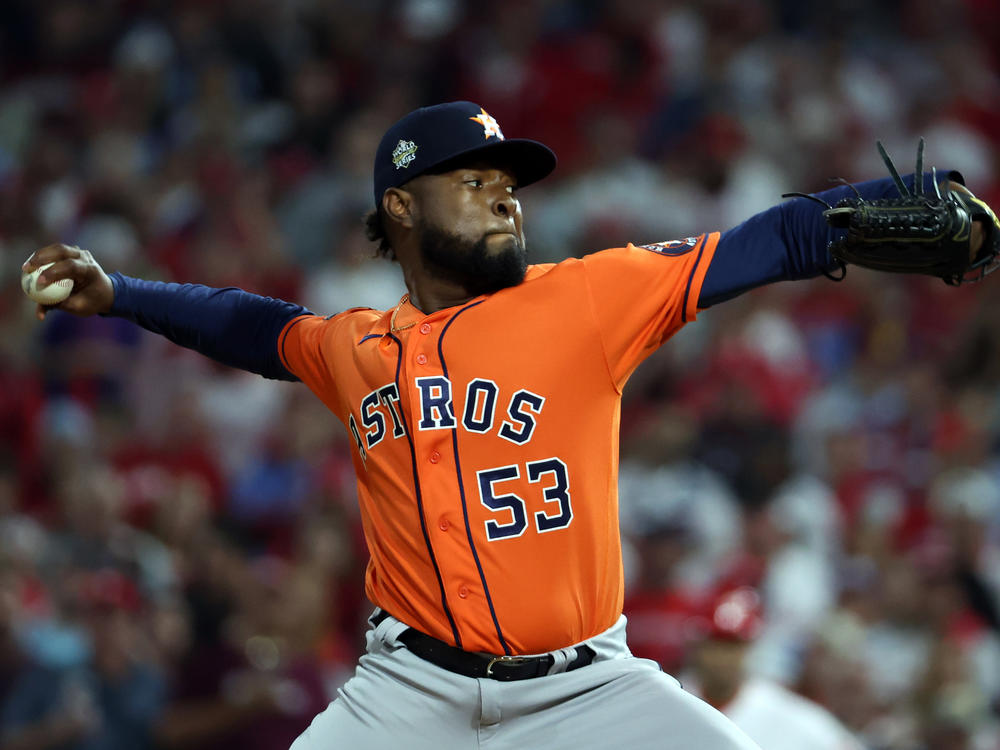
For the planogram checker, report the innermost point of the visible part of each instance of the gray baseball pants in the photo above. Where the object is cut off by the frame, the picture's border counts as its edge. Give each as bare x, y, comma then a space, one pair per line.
397, 699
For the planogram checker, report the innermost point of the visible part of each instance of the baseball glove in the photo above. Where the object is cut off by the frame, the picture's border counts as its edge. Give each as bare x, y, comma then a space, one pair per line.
917, 232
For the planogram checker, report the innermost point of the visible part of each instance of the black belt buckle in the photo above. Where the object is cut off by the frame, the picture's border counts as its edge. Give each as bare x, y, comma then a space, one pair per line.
470, 664
504, 661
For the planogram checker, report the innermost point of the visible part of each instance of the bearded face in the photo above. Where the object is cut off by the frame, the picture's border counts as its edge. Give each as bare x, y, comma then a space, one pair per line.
493, 262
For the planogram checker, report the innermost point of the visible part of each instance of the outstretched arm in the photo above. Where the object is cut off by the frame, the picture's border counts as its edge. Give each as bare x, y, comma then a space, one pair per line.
229, 325
789, 241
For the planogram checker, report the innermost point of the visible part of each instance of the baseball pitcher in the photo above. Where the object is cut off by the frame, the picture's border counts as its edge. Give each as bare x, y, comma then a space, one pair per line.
483, 410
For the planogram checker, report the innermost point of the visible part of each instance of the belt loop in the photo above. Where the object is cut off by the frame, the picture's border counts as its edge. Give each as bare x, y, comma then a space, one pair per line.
388, 630
561, 660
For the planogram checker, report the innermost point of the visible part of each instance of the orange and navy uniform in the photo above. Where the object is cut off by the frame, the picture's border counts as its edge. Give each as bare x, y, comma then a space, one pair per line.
486, 441
486, 435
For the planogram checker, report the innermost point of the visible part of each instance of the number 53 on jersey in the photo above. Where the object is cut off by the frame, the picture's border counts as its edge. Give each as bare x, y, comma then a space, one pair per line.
437, 413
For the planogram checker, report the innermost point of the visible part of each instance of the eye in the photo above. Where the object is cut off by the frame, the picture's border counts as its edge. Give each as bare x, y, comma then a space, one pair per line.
474, 183
512, 190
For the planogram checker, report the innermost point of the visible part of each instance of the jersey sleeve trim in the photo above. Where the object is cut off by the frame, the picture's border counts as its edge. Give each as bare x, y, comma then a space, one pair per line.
283, 337
692, 292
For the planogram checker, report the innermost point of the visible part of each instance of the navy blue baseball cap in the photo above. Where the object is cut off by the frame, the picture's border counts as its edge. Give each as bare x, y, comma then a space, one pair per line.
431, 137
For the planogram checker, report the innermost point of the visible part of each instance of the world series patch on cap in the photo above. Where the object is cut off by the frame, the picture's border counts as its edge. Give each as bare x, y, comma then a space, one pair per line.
431, 138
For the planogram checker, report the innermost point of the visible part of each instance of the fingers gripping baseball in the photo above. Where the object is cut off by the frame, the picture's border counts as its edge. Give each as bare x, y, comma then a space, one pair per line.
92, 292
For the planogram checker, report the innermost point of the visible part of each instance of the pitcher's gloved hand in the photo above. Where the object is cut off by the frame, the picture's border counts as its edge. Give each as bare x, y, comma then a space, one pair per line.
954, 236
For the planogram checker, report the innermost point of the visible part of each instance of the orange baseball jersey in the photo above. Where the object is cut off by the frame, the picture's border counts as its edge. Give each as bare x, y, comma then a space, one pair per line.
486, 441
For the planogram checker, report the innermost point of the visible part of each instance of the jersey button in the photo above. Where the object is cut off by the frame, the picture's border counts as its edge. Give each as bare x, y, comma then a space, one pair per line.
463, 592
443, 524
425, 328
421, 359
435, 457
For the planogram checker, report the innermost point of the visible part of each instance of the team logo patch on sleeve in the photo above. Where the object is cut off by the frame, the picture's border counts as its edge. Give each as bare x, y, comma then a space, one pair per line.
673, 247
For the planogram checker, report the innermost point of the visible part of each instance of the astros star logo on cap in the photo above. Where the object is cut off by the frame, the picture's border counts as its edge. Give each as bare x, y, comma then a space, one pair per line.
490, 125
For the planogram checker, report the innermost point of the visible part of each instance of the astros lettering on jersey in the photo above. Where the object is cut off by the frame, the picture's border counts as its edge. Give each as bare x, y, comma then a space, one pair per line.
488, 490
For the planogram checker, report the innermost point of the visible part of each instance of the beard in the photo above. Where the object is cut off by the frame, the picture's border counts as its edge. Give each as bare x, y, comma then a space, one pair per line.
471, 264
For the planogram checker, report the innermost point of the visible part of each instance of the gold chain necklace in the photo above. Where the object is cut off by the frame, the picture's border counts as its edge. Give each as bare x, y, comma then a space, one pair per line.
392, 320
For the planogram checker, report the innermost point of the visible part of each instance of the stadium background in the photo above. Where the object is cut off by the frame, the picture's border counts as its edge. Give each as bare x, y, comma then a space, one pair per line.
180, 556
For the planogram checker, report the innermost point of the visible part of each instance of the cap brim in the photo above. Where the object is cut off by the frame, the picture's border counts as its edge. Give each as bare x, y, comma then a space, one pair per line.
530, 160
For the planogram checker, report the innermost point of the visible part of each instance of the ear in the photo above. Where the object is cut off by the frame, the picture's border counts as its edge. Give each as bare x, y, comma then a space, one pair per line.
398, 205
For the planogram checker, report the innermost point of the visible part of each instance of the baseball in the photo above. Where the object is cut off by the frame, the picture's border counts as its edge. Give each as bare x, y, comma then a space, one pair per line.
52, 294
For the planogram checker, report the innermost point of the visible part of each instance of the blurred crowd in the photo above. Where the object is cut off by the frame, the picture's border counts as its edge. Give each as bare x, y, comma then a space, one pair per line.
181, 562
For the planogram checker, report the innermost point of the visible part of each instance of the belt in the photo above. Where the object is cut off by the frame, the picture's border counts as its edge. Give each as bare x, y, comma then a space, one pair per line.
483, 666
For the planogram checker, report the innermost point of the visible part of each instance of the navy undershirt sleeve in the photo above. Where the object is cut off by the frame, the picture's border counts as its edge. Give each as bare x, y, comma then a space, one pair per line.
229, 325
787, 241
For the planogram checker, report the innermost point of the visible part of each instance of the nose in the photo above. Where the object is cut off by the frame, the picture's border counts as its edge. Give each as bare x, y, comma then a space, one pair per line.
505, 205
